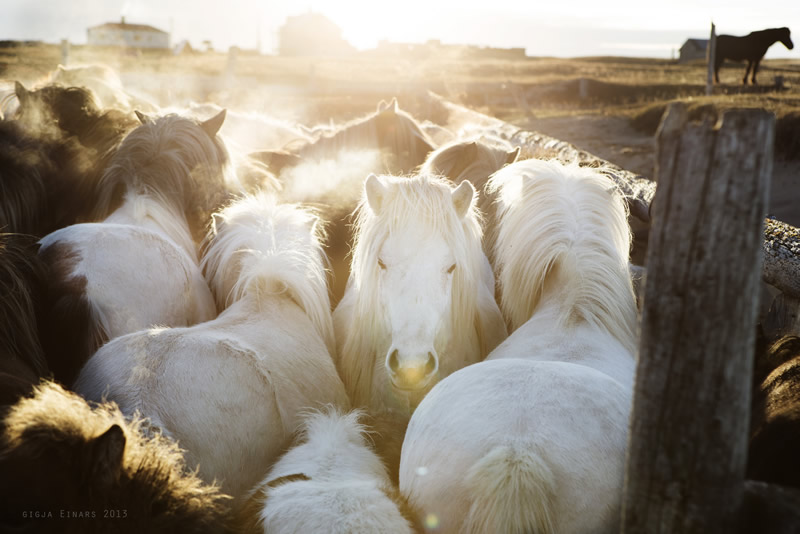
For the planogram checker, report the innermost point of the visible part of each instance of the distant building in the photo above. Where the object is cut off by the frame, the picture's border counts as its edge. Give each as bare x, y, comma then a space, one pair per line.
127, 35
435, 48
693, 49
312, 34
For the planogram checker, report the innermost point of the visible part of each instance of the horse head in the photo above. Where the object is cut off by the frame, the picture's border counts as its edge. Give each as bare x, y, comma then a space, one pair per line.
785, 38
415, 286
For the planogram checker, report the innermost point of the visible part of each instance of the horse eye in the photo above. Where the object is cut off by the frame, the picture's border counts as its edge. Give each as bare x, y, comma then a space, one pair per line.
381, 264
451, 269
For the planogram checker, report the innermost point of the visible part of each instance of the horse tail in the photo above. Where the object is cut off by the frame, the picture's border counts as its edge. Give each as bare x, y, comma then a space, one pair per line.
511, 489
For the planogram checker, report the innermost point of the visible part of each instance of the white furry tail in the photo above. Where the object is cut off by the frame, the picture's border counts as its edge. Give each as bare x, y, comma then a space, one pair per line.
511, 490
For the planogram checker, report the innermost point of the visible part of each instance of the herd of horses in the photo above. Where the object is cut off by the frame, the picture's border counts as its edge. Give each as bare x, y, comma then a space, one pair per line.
377, 326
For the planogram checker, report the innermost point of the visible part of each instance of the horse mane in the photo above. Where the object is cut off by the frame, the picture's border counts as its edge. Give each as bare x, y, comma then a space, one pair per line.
154, 484
174, 161
21, 276
424, 198
391, 130
257, 245
564, 225
24, 166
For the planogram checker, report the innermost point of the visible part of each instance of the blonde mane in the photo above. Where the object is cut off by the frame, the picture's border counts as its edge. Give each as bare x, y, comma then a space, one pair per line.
409, 200
258, 246
564, 228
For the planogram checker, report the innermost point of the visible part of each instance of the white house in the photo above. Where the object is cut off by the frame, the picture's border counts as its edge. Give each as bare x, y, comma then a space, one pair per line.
128, 35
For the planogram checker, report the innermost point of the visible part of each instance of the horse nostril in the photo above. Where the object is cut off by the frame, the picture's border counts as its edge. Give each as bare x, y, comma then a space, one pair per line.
430, 365
393, 362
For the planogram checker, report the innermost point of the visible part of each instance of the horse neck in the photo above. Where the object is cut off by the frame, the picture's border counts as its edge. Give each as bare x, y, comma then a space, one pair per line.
546, 337
148, 212
567, 305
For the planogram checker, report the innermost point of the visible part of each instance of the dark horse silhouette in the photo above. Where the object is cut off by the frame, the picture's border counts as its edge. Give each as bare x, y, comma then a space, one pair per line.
751, 47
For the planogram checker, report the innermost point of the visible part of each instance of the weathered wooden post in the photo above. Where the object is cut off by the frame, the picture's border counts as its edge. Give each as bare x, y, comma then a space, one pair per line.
712, 50
689, 424
65, 52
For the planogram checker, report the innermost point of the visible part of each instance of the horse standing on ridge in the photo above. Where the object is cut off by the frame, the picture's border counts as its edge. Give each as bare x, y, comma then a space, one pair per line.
751, 48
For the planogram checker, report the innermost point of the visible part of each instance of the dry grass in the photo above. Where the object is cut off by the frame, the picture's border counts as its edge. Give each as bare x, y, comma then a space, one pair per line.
314, 89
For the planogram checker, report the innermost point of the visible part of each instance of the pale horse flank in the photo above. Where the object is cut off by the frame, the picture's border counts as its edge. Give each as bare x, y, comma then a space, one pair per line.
138, 266
419, 303
332, 482
533, 439
231, 390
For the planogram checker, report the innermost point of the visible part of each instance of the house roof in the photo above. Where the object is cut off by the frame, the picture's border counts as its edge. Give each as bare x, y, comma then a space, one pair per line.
127, 27
701, 44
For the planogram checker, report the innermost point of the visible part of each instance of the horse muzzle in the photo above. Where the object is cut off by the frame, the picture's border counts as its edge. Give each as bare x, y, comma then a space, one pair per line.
411, 373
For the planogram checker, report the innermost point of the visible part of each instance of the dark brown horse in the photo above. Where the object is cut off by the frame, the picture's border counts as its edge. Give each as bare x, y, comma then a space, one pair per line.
79, 138
750, 48
775, 420
22, 361
68, 467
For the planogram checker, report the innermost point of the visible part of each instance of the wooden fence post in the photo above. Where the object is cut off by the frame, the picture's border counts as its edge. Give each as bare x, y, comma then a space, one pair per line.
689, 424
712, 50
65, 52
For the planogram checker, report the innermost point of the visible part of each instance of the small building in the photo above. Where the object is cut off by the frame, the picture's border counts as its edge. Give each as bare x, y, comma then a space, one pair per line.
693, 49
312, 34
127, 35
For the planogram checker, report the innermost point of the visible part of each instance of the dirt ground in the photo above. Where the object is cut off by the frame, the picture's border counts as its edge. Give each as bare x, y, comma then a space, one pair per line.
614, 139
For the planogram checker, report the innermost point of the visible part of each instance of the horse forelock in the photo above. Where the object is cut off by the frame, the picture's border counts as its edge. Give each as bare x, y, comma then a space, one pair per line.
171, 159
153, 473
564, 225
257, 245
422, 199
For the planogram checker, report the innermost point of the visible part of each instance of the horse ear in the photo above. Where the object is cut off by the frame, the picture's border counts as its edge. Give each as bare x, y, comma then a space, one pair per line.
393, 105
143, 118
382, 106
106, 454
212, 125
376, 192
472, 150
463, 196
513, 155
20, 91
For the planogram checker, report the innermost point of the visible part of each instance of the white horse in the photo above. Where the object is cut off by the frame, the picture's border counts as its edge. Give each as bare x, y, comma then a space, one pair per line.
419, 302
230, 390
138, 267
533, 439
332, 482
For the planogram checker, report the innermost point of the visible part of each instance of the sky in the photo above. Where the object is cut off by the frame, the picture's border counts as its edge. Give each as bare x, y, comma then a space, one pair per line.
566, 28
